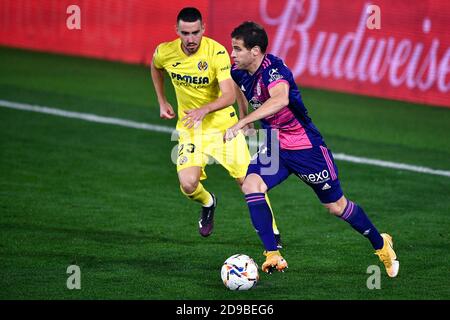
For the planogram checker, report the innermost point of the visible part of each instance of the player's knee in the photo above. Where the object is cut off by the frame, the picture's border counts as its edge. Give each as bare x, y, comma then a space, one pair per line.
334, 210
248, 187
252, 185
337, 208
189, 186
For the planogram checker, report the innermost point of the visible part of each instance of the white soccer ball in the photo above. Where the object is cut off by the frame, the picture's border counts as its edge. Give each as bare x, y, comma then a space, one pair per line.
239, 272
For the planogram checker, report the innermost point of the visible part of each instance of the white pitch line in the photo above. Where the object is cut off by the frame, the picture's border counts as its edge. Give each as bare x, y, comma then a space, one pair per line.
85, 116
157, 128
389, 164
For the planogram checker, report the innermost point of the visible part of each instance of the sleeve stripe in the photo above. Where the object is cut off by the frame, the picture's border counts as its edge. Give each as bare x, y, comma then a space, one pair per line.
277, 82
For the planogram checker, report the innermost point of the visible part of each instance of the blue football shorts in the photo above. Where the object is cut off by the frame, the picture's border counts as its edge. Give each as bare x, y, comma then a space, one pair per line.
315, 166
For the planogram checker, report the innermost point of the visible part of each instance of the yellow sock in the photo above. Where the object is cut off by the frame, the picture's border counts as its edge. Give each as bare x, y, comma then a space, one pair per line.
200, 195
274, 224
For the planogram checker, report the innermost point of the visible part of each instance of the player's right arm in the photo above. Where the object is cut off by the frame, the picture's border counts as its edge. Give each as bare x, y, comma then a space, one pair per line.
165, 109
279, 98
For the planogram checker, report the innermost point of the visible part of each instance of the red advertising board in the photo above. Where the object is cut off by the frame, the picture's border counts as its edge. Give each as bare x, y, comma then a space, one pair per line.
113, 29
328, 44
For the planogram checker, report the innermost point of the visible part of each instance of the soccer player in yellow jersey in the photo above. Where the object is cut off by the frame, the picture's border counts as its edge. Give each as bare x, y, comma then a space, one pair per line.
199, 69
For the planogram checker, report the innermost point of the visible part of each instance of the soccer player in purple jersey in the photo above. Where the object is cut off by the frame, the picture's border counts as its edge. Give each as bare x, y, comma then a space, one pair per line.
268, 85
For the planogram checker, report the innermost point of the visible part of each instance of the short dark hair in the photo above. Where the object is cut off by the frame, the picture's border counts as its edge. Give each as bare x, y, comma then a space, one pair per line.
252, 34
189, 14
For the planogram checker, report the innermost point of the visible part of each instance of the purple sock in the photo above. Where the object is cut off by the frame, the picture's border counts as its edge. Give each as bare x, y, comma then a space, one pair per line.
262, 219
358, 219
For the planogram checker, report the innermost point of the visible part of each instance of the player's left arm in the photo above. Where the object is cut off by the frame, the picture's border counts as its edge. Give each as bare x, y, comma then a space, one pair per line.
279, 98
194, 117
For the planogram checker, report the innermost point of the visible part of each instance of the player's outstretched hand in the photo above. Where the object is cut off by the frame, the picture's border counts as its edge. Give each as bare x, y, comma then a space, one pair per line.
249, 130
232, 132
166, 111
194, 117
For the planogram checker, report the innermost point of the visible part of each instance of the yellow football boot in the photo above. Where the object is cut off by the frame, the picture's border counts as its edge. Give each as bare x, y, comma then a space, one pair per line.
388, 257
274, 260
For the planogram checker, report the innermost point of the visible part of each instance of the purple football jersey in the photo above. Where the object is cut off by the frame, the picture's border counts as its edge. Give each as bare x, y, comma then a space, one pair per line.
295, 128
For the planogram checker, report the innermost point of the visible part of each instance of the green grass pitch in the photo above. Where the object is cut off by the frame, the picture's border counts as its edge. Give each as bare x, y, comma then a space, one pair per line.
106, 198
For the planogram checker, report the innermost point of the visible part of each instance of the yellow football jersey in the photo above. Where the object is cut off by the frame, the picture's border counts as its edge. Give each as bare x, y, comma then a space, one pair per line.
196, 79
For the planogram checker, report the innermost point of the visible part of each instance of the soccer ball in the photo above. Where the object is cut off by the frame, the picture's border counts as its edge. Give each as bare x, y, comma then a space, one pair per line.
239, 272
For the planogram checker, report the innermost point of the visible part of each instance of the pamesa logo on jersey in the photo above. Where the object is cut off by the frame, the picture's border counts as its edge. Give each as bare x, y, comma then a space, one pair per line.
189, 79
202, 65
